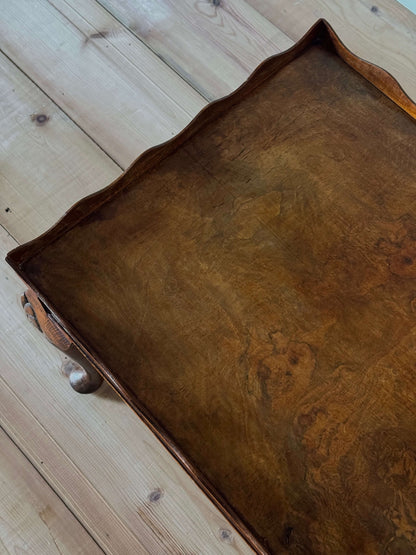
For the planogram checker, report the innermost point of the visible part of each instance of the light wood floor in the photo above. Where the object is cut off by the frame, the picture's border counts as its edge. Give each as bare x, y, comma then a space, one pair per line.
86, 86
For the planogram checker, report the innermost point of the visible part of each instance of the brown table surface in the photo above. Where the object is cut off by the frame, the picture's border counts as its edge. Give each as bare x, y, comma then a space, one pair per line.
249, 288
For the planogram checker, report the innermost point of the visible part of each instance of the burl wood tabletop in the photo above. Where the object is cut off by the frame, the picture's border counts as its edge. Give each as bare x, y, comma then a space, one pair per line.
252, 294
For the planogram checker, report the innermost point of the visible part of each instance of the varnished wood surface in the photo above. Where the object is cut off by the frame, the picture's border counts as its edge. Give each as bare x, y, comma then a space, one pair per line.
46, 168
95, 453
81, 374
264, 306
380, 23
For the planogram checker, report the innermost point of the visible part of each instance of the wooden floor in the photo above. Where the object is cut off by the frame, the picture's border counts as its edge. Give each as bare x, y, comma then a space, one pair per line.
86, 86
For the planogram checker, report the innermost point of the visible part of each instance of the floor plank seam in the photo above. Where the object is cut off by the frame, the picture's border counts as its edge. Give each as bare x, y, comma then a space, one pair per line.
50, 486
10, 235
61, 109
136, 37
203, 95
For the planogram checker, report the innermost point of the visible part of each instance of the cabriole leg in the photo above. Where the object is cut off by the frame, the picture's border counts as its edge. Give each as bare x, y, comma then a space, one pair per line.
82, 375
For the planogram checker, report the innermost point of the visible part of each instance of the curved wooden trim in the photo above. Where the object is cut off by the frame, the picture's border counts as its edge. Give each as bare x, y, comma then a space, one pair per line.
321, 32
83, 377
151, 157
379, 77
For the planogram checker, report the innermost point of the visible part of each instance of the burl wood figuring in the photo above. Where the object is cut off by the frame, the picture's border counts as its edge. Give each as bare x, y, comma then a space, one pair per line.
249, 288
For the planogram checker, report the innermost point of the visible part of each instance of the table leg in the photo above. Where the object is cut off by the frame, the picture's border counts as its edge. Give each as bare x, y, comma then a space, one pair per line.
83, 377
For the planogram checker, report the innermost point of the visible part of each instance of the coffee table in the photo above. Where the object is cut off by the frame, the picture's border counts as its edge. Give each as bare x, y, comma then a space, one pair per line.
249, 289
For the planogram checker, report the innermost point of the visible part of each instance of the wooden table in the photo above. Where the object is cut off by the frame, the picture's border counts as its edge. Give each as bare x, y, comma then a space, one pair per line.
249, 290
51, 165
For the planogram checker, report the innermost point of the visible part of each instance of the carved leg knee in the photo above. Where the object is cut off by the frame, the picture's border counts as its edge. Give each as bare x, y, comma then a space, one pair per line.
83, 377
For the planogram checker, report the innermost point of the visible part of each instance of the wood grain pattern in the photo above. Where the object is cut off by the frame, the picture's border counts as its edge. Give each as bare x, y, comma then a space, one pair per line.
382, 32
265, 320
46, 166
120, 93
95, 453
46, 162
32, 517
229, 38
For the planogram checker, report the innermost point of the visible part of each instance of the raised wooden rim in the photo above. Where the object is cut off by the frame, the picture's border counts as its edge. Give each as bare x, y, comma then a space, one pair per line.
322, 32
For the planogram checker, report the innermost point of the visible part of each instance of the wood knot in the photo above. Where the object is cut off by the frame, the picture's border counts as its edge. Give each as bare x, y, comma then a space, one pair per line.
403, 262
155, 495
374, 9
99, 35
216, 3
226, 535
39, 119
